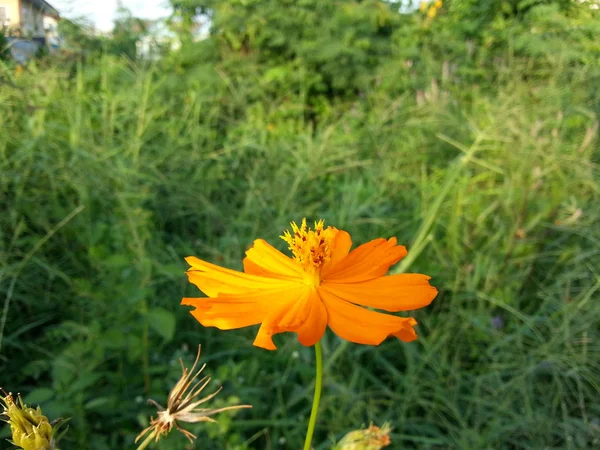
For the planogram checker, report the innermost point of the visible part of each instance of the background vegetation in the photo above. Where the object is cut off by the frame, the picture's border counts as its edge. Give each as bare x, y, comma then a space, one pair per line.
467, 131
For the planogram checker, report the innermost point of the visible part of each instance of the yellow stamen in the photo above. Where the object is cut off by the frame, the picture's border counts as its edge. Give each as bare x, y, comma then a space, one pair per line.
311, 248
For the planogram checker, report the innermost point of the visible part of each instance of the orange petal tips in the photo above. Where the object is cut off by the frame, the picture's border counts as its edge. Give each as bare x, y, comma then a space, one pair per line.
322, 285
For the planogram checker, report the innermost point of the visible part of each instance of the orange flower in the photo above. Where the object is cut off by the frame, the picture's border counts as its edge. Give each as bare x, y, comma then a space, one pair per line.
322, 285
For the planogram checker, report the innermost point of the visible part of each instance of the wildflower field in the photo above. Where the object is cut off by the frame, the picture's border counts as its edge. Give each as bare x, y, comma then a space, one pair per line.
469, 133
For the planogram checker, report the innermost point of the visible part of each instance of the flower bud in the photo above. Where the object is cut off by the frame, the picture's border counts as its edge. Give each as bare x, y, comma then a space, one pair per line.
373, 438
31, 430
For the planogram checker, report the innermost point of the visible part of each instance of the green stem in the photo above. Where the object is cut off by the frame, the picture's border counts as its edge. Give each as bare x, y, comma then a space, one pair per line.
315, 406
146, 441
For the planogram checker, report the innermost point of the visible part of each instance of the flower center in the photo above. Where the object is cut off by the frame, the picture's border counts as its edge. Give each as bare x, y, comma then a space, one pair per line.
311, 248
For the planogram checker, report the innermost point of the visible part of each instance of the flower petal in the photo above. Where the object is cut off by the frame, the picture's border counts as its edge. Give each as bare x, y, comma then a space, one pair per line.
313, 329
228, 312
341, 246
401, 292
362, 326
264, 259
303, 313
212, 279
368, 261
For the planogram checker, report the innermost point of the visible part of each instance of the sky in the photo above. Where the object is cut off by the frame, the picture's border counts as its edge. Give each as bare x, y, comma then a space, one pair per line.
101, 12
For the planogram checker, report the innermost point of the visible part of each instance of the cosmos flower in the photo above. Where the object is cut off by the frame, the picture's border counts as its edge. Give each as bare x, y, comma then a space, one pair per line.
322, 285
182, 405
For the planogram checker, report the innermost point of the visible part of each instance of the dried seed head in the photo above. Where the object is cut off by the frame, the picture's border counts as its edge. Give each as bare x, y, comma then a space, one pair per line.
182, 405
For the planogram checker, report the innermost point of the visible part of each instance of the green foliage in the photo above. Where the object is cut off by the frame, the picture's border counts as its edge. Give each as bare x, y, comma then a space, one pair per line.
479, 151
4, 52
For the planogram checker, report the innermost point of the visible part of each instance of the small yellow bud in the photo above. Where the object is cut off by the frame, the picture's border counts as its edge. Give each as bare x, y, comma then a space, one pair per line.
31, 430
373, 438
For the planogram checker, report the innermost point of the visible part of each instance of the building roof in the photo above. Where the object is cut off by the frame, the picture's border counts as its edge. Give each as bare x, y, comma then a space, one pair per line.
46, 8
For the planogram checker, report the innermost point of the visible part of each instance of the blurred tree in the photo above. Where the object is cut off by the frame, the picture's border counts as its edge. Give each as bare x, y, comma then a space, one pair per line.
188, 16
473, 17
336, 44
4, 52
127, 32
78, 36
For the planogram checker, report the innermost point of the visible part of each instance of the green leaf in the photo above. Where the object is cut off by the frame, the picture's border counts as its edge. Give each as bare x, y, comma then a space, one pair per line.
172, 270
38, 396
84, 381
163, 322
99, 403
